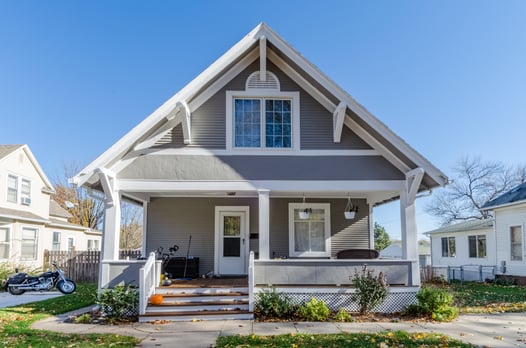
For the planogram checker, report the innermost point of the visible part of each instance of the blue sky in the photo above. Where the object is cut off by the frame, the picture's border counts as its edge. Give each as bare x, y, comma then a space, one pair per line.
449, 77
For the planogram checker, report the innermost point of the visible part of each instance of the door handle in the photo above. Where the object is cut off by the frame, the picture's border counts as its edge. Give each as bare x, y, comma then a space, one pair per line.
243, 241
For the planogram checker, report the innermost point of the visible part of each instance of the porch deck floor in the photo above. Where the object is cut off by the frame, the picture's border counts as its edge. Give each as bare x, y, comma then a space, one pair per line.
223, 282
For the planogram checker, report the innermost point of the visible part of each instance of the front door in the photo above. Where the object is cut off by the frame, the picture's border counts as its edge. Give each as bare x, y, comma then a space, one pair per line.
232, 224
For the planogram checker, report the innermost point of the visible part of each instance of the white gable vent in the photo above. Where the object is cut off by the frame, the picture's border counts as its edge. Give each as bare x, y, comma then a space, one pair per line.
254, 82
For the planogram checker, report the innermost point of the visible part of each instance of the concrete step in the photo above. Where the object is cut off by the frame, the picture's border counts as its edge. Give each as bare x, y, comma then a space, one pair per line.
198, 315
197, 308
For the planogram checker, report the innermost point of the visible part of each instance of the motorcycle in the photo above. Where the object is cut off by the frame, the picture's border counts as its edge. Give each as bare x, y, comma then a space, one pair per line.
19, 283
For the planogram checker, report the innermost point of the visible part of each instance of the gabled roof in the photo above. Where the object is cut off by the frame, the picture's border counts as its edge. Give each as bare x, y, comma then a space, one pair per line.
263, 42
8, 150
516, 195
471, 225
56, 210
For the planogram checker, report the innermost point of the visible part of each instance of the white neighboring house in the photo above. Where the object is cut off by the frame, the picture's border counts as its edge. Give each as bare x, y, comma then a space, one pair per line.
509, 211
469, 245
30, 222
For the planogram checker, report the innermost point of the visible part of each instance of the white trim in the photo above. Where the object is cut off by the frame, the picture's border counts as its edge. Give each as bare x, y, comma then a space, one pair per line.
187, 122
263, 58
267, 93
264, 224
521, 225
278, 185
231, 209
327, 208
194, 151
337, 120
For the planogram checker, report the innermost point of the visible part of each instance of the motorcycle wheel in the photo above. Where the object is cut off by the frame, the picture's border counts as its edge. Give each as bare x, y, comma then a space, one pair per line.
66, 286
15, 291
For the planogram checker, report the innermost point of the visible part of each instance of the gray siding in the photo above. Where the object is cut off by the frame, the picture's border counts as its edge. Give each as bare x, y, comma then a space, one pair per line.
172, 220
345, 234
209, 120
181, 167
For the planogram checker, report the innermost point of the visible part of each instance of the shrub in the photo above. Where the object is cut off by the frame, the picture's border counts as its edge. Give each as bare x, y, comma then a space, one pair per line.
314, 310
120, 303
342, 316
370, 290
84, 319
435, 303
273, 304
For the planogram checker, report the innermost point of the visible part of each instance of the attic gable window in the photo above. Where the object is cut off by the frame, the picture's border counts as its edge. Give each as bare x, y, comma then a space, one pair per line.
262, 117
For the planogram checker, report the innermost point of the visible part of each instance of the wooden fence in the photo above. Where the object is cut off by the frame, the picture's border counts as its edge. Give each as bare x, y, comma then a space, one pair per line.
81, 266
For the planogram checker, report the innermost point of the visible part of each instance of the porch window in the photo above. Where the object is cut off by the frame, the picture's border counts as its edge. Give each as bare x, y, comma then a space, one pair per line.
56, 241
4, 243
309, 237
516, 243
477, 246
29, 243
448, 247
262, 118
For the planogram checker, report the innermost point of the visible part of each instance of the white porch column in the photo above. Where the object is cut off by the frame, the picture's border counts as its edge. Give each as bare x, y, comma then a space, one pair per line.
408, 221
111, 229
264, 224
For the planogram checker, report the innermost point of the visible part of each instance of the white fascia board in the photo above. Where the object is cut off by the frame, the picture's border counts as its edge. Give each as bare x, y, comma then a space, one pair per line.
158, 134
167, 186
338, 118
339, 93
187, 93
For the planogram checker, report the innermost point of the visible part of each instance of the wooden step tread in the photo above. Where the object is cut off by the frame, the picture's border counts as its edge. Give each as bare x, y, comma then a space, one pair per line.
199, 303
194, 313
197, 294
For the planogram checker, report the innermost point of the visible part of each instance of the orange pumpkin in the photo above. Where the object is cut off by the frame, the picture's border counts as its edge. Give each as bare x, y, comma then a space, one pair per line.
156, 299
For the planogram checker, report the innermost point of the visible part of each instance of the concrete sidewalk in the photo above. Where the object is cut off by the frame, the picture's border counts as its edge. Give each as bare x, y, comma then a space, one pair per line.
8, 300
498, 330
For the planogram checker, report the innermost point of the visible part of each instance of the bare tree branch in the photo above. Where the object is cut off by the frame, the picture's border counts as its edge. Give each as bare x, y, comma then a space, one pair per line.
474, 184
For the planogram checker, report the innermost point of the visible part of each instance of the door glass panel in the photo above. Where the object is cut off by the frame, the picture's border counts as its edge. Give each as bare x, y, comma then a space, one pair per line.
231, 236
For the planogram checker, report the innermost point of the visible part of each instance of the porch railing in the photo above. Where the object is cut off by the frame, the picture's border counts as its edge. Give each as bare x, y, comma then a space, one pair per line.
331, 272
251, 282
147, 282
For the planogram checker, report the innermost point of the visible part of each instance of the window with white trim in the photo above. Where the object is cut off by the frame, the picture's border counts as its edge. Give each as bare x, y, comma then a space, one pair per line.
309, 237
4, 243
56, 241
448, 247
262, 122
29, 243
71, 244
516, 243
477, 246
12, 188
262, 117
93, 244
25, 191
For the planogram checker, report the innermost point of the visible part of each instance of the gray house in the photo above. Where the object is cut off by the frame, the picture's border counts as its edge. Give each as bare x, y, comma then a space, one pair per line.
258, 159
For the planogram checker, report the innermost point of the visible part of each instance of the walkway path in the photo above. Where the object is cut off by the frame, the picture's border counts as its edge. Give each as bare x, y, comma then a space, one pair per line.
496, 330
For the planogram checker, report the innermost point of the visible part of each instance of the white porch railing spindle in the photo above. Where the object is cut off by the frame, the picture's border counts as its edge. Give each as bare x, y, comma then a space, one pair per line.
147, 282
251, 282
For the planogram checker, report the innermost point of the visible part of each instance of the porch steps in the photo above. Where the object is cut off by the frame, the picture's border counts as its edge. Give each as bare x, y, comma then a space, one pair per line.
195, 304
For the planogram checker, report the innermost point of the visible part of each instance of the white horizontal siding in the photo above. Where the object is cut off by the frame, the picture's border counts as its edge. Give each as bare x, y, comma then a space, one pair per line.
504, 219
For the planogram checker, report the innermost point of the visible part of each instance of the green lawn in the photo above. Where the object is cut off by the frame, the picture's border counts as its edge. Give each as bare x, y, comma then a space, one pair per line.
358, 340
15, 324
489, 298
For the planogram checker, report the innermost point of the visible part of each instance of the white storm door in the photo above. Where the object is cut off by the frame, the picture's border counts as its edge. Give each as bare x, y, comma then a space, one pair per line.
231, 240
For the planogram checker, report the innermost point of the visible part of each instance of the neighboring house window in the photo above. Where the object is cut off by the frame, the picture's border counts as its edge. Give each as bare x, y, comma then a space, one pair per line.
448, 247
93, 244
12, 188
56, 241
309, 237
25, 191
71, 243
29, 243
263, 122
516, 243
477, 246
4, 243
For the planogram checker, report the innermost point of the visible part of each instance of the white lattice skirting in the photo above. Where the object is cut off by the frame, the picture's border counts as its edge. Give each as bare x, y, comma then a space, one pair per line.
335, 298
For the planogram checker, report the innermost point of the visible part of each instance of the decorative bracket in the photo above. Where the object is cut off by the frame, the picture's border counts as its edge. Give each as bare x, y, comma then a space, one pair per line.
186, 121
338, 118
107, 180
413, 179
